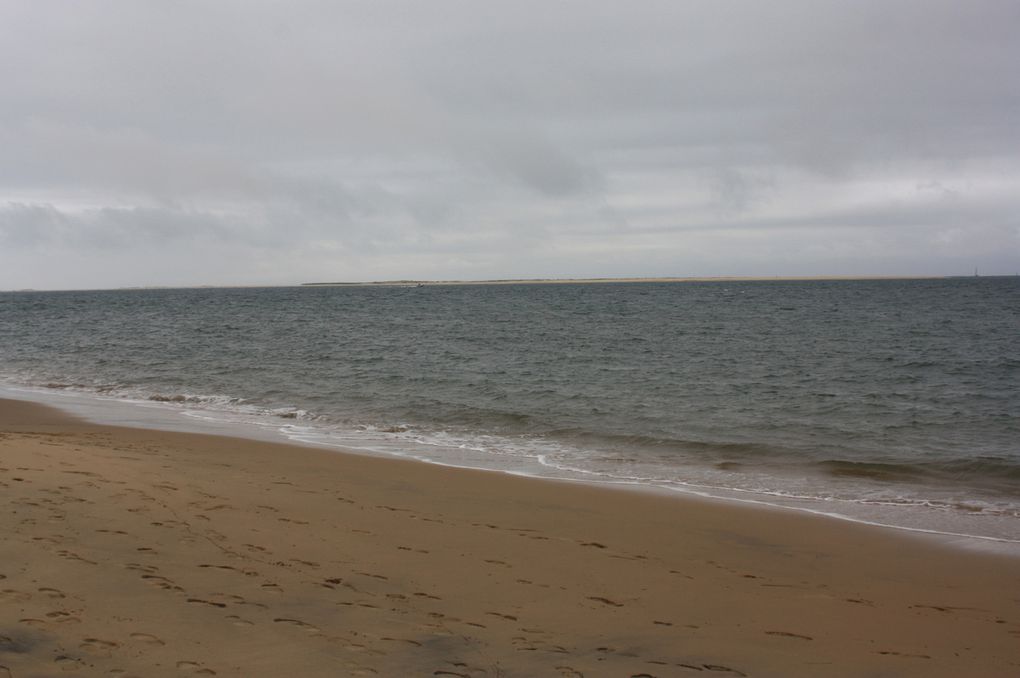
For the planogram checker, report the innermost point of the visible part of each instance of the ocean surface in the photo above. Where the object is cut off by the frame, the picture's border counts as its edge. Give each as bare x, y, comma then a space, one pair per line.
895, 402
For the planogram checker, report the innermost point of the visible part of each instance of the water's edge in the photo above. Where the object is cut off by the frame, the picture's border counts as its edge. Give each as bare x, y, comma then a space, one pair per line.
172, 417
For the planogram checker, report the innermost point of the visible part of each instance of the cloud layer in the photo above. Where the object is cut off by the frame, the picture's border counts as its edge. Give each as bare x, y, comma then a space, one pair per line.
247, 143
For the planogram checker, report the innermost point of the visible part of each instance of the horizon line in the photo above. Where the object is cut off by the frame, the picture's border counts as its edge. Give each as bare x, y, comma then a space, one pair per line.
522, 281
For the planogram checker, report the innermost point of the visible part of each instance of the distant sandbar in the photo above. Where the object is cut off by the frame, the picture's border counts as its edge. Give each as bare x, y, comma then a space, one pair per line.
586, 281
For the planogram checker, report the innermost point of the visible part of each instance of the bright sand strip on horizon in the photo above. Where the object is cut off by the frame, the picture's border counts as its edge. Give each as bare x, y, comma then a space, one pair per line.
591, 281
142, 553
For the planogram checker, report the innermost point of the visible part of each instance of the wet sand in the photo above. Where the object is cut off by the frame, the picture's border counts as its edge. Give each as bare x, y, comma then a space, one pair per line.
143, 553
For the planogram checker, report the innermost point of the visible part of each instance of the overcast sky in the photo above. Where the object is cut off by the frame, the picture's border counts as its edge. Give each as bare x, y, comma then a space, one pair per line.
165, 143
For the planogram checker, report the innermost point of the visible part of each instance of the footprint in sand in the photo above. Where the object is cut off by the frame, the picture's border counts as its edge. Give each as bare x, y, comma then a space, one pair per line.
147, 638
49, 539
141, 568
719, 668
74, 556
253, 547
162, 582
100, 647
231, 568
239, 621
372, 574
892, 653
217, 507
10, 595
230, 598
195, 668
8, 644
402, 640
51, 593
68, 663
787, 634
304, 626
62, 617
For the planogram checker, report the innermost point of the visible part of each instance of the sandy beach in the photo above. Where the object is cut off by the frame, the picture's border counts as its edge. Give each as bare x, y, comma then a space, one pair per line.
143, 553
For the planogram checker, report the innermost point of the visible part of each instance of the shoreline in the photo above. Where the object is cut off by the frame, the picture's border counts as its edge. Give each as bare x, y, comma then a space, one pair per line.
157, 552
161, 416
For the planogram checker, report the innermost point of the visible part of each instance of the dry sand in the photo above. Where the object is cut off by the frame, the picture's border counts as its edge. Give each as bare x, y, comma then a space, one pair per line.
142, 553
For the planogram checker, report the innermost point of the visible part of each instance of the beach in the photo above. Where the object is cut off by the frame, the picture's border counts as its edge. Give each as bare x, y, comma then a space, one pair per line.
132, 552
888, 402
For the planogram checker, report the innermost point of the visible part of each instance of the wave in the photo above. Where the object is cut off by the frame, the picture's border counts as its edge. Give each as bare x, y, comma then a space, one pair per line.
997, 471
882, 471
185, 400
77, 386
981, 488
485, 427
738, 470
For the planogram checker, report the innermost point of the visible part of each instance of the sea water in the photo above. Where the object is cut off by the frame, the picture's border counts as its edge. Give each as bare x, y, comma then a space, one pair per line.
895, 402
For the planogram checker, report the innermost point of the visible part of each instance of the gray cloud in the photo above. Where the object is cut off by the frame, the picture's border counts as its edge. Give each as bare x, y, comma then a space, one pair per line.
451, 139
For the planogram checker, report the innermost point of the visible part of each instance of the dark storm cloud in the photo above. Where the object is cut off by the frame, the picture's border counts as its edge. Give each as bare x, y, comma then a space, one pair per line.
457, 139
